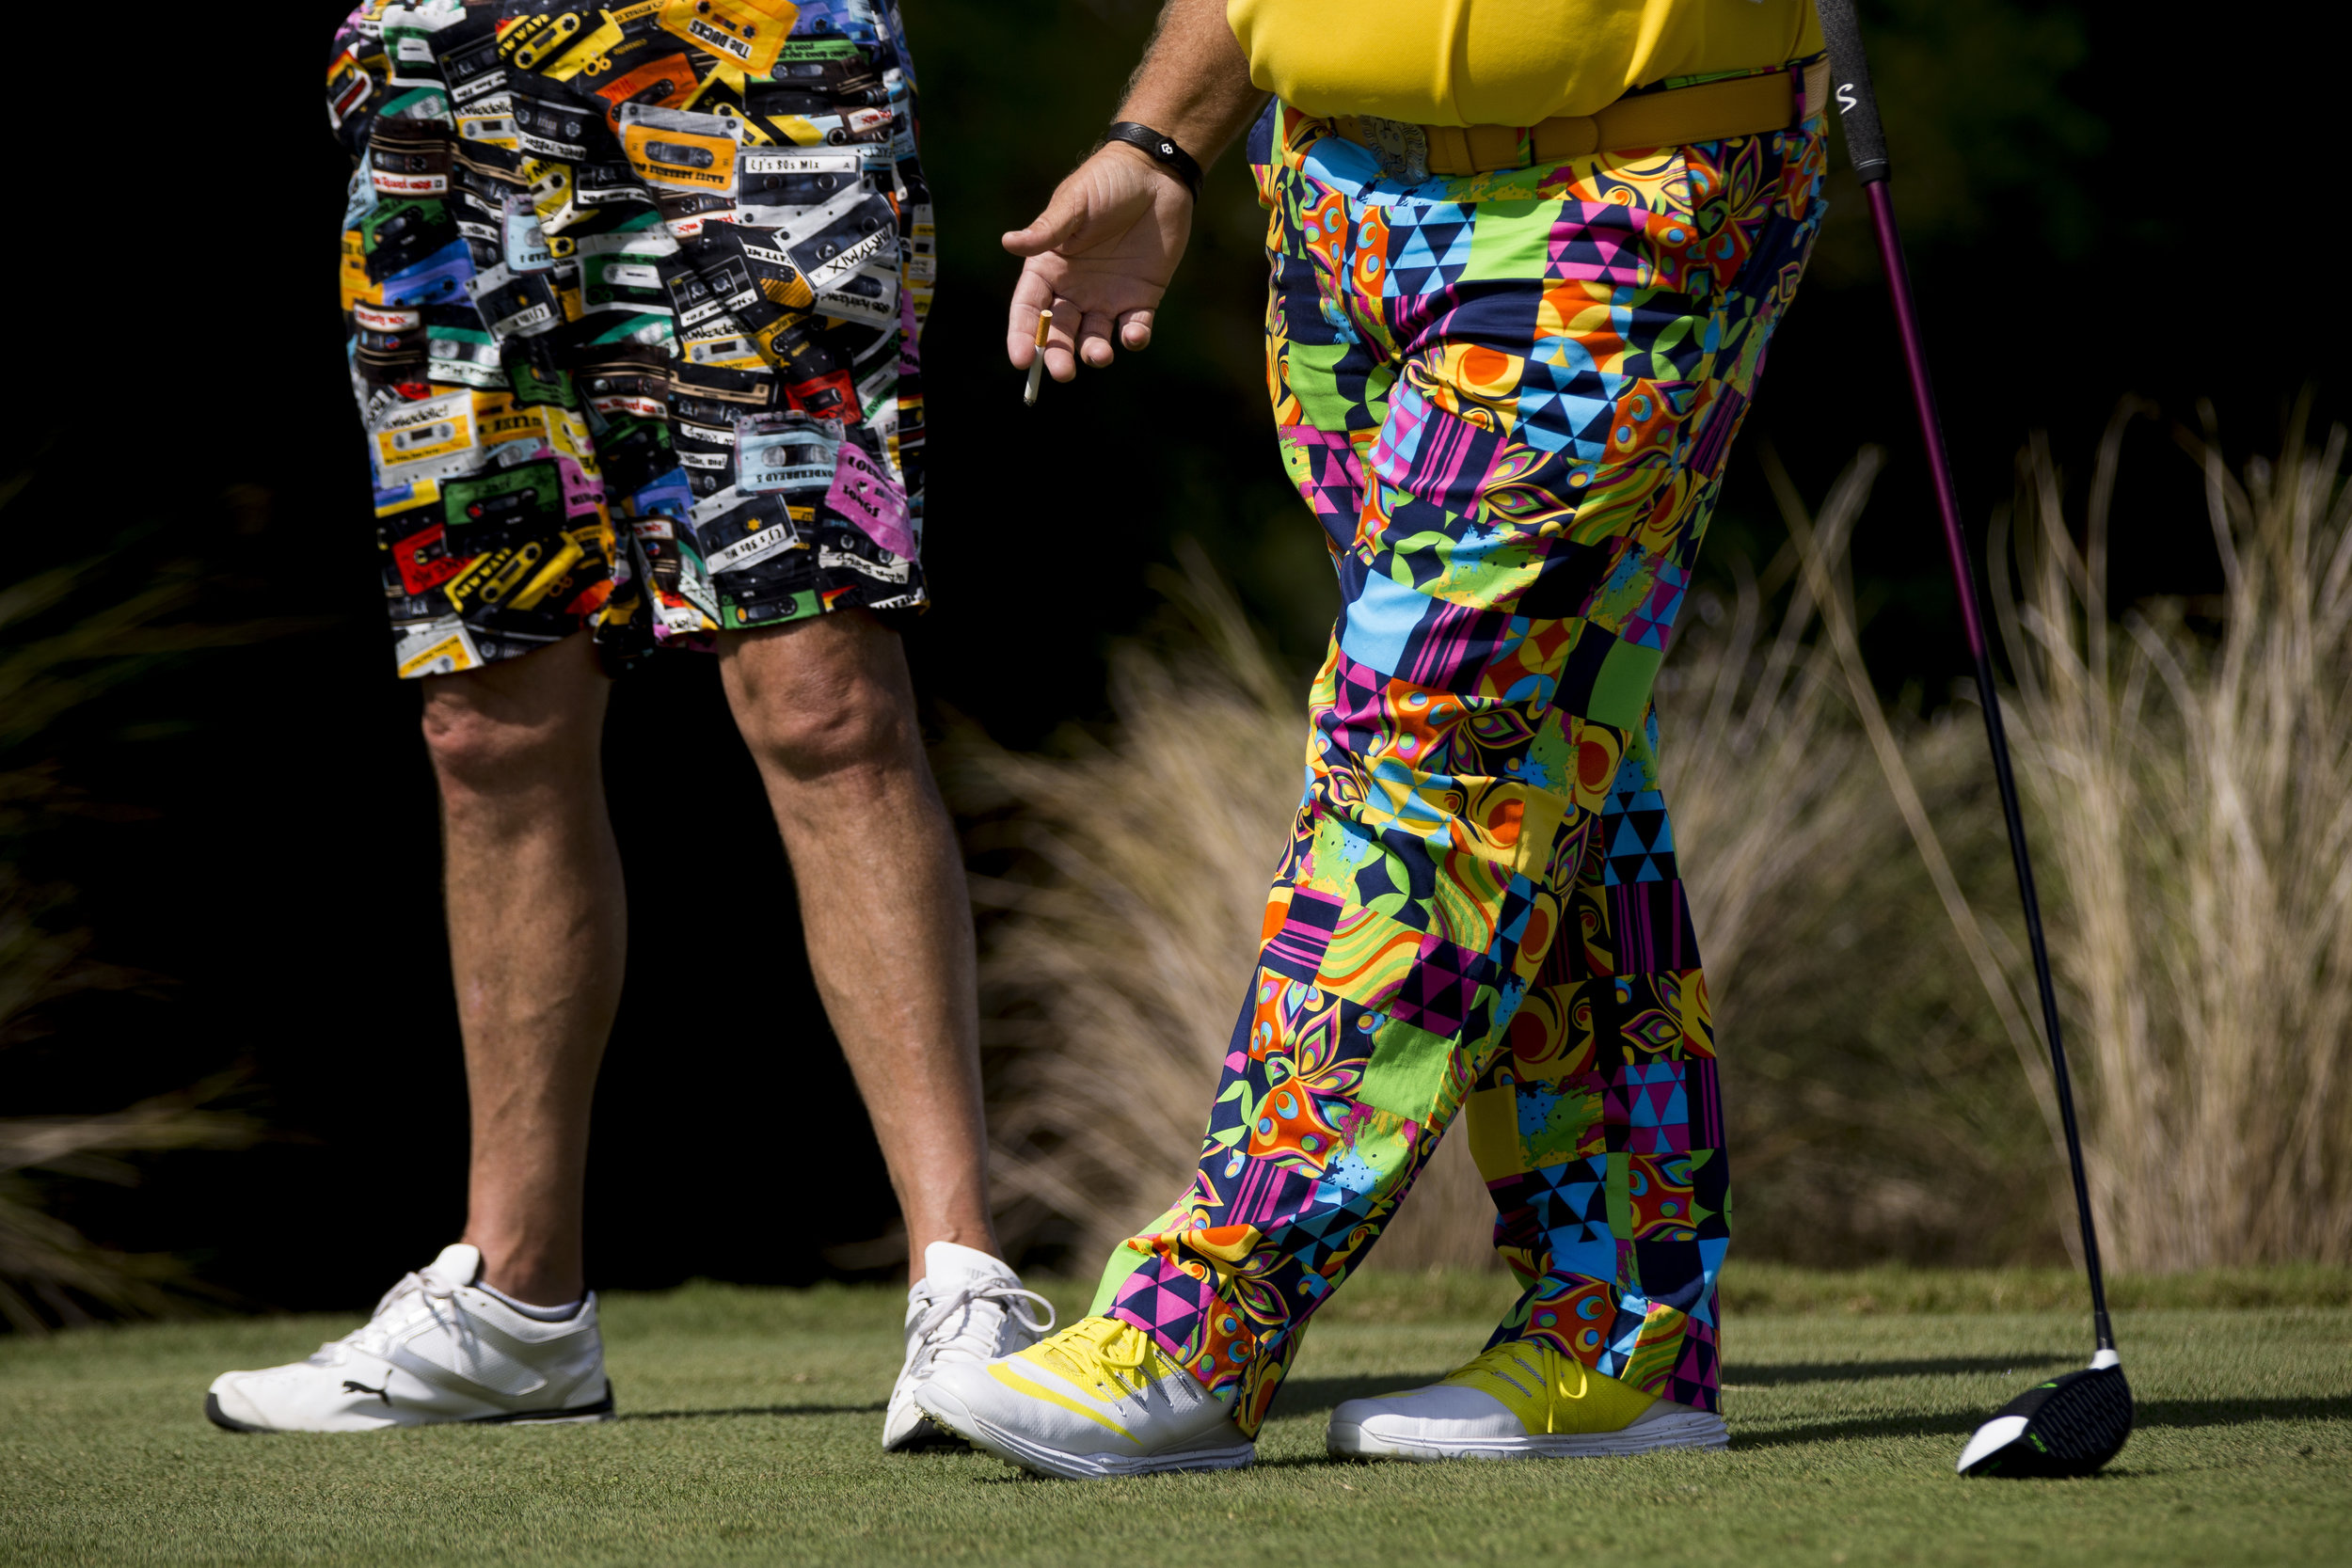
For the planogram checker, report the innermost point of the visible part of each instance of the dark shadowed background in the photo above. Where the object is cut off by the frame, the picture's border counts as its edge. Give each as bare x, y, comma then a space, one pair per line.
2099, 203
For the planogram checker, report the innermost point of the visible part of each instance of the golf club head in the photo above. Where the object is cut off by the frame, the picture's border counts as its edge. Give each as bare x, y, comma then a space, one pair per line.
2068, 1426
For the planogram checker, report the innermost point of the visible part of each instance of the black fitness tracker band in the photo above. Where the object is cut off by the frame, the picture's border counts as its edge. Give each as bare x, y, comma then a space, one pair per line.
1162, 150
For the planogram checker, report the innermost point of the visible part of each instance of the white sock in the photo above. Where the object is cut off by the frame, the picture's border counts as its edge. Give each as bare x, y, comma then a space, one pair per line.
543, 1314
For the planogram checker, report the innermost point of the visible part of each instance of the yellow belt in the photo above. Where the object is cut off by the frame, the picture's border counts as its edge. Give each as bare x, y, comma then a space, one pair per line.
1738, 106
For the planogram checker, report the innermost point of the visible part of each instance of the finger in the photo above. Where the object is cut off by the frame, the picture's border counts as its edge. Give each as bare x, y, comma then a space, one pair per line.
1062, 345
1063, 216
1032, 296
1094, 338
1134, 329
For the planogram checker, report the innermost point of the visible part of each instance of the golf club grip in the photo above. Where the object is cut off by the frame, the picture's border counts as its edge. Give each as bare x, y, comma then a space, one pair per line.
1857, 105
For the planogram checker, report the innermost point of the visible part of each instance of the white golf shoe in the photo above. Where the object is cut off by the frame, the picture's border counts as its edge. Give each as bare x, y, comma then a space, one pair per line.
1096, 1400
1520, 1402
968, 1307
438, 1347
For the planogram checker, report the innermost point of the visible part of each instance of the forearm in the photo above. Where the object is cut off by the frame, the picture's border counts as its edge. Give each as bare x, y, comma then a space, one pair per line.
1194, 84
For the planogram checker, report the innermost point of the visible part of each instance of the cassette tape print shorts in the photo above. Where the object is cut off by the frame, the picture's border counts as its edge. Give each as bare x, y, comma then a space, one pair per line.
633, 296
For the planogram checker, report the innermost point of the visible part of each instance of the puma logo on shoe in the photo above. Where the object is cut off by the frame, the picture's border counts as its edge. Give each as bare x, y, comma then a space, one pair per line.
351, 1387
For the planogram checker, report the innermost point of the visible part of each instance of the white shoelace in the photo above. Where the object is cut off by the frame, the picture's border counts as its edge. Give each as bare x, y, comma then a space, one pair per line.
931, 1345
375, 1335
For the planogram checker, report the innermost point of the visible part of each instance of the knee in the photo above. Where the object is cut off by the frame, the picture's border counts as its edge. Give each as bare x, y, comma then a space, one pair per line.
481, 752
827, 720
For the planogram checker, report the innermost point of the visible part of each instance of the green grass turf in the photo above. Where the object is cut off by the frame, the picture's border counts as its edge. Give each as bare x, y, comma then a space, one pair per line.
750, 1420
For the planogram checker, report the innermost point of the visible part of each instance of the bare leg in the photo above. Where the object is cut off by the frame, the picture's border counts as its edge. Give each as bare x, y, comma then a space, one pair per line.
828, 711
537, 930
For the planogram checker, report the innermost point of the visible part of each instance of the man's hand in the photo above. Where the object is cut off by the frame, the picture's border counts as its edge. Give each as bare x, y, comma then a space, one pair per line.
1101, 252
1100, 255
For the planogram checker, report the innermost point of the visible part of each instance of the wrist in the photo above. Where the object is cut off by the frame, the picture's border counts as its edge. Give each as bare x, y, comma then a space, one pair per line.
1163, 153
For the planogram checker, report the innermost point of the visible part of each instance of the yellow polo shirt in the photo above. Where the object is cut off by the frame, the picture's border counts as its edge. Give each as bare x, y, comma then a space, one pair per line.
1503, 62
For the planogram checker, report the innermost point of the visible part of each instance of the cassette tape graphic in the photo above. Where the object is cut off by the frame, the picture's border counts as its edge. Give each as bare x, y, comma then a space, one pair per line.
654, 83
409, 157
789, 454
687, 404
428, 439
423, 559
639, 235
400, 232
554, 44
780, 284
733, 351
489, 123
755, 282
748, 389
436, 279
551, 130
554, 574
378, 318
813, 100
393, 358
436, 647
850, 128
487, 509
737, 531
833, 245
353, 287
631, 379
591, 50
792, 345
408, 49
523, 244
347, 88
806, 222
869, 295
748, 34
621, 279
480, 187
896, 570
516, 305
603, 184
830, 396
473, 70
815, 77
359, 197
464, 356
627, 16
679, 150
797, 177
550, 182
491, 579
707, 285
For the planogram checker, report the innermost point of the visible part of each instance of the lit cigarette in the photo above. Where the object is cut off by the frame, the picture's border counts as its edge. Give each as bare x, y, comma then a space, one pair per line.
1037, 366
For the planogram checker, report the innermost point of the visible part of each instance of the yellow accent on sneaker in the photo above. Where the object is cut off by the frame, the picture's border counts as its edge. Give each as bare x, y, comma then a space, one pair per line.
1550, 1392
1108, 1355
1002, 1372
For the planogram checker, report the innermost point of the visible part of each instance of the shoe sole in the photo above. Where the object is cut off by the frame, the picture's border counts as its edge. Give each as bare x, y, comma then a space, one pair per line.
953, 1415
579, 1415
925, 1437
1697, 1430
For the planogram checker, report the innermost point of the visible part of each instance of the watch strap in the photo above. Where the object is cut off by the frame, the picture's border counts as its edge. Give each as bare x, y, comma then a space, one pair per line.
1161, 150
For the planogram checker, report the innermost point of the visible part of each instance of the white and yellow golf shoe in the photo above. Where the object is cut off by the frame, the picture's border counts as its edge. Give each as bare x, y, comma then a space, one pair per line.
1520, 1402
1098, 1399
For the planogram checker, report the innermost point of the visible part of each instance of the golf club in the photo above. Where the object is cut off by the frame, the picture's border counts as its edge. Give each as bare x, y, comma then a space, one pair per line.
2070, 1425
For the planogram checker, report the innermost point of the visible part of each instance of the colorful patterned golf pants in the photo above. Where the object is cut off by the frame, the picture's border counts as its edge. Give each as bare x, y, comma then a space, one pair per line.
1507, 398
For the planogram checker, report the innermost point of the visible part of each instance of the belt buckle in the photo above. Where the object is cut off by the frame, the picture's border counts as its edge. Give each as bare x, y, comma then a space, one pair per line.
1401, 147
